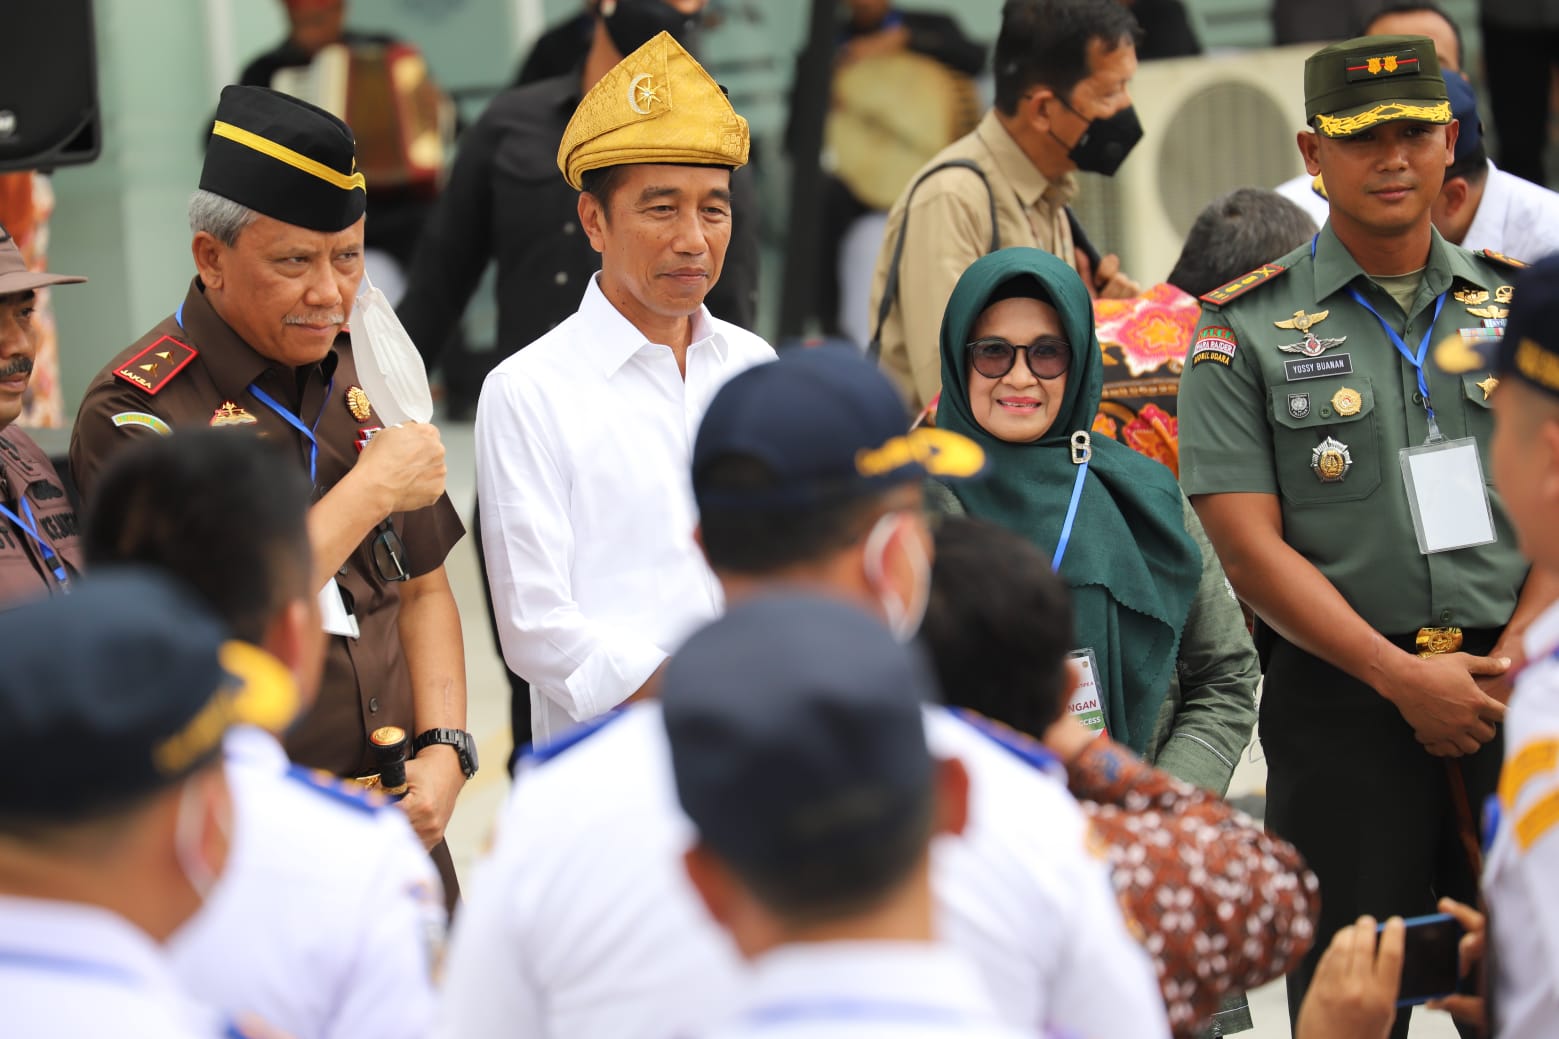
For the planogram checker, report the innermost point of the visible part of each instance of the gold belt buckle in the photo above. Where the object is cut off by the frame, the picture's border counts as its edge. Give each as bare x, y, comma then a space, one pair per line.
1432, 642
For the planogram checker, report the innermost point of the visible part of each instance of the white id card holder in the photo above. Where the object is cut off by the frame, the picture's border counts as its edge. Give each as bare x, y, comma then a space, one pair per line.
1447, 496
1085, 705
333, 612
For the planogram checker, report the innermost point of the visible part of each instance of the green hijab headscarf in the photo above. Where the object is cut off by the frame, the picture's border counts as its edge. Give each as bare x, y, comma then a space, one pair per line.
1132, 568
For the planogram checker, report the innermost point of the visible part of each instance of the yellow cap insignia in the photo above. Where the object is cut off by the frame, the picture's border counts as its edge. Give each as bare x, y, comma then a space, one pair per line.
940, 452
657, 106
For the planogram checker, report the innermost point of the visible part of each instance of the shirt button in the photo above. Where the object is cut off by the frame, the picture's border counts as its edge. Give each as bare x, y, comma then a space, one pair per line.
1445, 616
1418, 398
561, 277
373, 705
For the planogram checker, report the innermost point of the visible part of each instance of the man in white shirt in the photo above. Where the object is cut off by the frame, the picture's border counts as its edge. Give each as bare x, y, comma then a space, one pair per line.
816, 800
1480, 206
116, 817
328, 918
583, 438
582, 921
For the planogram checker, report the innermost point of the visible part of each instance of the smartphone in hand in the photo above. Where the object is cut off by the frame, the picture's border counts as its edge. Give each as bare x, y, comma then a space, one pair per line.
1430, 963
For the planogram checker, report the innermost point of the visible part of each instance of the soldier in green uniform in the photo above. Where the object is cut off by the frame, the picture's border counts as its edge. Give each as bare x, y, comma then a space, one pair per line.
1344, 483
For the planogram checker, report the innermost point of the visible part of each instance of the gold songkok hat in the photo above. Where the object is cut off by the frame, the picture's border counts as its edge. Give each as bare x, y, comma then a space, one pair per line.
657, 106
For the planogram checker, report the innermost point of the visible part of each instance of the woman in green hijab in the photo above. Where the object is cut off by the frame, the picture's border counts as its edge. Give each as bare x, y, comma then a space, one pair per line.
1021, 374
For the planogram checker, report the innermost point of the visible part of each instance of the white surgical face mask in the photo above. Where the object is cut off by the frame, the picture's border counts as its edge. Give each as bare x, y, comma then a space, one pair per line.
187, 839
903, 617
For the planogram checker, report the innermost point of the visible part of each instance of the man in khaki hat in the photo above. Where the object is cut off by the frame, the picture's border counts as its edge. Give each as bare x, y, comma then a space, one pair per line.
583, 438
40, 547
1341, 473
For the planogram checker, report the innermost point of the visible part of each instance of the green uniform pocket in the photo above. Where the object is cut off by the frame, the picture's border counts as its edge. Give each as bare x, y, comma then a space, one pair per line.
1324, 442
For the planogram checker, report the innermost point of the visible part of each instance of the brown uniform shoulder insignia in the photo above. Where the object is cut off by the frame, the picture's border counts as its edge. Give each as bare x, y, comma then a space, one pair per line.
1243, 284
153, 368
1501, 259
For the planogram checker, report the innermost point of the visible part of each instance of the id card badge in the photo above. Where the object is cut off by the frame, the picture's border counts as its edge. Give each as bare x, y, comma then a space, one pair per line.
1085, 705
333, 612
1447, 496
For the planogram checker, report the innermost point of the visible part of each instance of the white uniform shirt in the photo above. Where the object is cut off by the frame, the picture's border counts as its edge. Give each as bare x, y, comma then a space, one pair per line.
71, 971
1301, 191
324, 922
1515, 217
581, 922
865, 990
1521, 870
584, 442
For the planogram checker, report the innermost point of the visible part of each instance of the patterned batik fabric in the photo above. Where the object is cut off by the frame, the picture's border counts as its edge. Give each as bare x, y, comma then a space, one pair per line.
1144, 342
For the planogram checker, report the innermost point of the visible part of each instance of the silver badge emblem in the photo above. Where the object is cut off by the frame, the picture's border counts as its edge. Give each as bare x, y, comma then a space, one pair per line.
1330, 460
1299, 405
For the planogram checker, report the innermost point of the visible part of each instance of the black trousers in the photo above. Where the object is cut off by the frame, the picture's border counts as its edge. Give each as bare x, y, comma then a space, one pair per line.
1518, 69
1371, 811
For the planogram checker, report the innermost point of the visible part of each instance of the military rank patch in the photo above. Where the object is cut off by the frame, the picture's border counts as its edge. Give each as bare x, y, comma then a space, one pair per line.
154, 367
1214, 343
1402, 63
1502, 260
1243, 284
144, 420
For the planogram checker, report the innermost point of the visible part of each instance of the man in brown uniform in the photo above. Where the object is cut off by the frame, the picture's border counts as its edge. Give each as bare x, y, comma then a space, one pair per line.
39, 546
257, 344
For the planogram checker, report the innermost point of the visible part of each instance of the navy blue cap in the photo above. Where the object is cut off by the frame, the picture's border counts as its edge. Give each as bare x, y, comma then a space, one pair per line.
1464, 109
118, 689
1530, 349
797, 735
827, 424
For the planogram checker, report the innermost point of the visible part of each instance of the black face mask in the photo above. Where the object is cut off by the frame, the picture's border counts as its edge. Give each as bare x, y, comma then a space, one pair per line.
1105, 143
633, 23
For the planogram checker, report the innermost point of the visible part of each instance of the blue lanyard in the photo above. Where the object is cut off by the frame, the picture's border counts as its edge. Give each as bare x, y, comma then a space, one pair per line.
286, 416
296, 423
29, 526
1071, 515
1414, 359
53, 964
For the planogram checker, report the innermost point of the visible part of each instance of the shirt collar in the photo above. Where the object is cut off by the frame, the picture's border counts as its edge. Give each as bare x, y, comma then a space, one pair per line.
82, 939
232, 363
1335, 266
1018, 170
1489, 220
614, 339
904, 976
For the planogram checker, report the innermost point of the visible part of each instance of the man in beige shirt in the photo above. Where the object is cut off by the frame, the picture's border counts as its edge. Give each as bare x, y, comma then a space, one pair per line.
1062, 68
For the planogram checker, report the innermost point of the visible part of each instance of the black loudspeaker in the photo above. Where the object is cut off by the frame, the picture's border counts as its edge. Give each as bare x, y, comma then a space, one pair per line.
48, 86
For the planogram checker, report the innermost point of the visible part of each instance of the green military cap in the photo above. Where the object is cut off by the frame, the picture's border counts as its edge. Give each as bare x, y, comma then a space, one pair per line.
1352, 86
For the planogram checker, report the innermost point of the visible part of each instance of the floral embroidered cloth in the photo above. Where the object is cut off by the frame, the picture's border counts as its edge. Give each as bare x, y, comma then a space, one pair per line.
1144, 342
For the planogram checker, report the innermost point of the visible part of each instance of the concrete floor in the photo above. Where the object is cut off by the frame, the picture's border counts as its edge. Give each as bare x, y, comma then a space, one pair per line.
488, 719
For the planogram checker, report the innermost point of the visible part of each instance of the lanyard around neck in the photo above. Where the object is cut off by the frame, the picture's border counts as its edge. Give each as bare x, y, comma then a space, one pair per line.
1416, 359
1082, 451
286, 415
29, 526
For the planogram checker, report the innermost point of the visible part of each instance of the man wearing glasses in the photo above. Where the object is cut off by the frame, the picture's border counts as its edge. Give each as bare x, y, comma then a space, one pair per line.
256, 343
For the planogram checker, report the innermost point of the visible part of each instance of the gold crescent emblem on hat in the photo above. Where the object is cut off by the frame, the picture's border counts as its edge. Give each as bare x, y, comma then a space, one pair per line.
640, 96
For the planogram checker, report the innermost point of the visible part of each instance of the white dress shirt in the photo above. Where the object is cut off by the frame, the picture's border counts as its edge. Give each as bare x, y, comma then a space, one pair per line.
584, 441
72, 971
1515, 217
1521, 870
325, 922
581, 921
865, 990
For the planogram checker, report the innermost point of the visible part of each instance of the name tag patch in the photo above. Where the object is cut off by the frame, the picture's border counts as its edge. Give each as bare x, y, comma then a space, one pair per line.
1302, 368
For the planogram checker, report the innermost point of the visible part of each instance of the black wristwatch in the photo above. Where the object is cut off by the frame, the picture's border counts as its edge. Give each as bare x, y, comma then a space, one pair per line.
461, 740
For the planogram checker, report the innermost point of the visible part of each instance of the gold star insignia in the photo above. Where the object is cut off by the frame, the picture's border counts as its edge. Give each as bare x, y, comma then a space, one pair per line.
648, 94
1488, 386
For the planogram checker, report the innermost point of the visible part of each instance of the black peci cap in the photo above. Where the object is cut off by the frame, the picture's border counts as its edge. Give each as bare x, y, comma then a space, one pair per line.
1530, 349
284, 158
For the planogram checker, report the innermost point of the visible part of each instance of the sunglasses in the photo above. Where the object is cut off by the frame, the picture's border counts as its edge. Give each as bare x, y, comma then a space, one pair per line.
1048, 357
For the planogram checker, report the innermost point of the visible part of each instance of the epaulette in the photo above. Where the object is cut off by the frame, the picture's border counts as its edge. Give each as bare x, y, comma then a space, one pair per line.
577, 735
1243, 284
154, 367
339, 790
1019, 744
1501, 259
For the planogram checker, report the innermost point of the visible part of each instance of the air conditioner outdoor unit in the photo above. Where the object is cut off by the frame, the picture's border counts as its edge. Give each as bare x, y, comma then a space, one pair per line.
1210, 124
